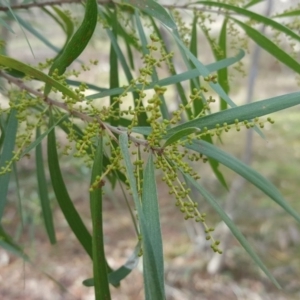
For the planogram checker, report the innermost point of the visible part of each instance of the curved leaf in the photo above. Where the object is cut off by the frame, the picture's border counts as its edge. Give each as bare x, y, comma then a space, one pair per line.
68, 24
269, 46
253, 2
30, 71
241, 168
179, 135
292, 13
223, 73
154, 76
40, 137
114, 67
195, 82
68, 209
155, 10
235, 231
143, 116
244, 112
253, 16
142, 130
99, 261
175, 78
151, 215
43, 191
7, 155
152, 272
118, 275
180, 89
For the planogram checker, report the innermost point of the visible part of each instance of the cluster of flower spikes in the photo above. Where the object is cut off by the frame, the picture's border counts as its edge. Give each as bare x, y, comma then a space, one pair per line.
174, 159
169, 159
20, 104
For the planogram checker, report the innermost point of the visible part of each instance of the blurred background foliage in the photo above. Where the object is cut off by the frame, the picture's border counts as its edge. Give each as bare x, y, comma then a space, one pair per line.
191, 269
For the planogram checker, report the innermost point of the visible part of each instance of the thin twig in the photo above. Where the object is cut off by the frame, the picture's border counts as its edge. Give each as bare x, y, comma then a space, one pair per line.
61, 2
109, 128
46, 3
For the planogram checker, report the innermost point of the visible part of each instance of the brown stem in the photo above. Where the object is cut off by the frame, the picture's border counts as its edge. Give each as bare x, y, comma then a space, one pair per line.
60, 2
46, 3
109, 128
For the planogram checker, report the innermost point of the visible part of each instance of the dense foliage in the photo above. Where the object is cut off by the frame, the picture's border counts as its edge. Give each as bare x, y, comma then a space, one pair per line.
124, 129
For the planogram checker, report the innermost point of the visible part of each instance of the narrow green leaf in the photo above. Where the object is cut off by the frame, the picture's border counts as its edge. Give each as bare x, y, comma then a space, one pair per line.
124, 146
189, 63
143, 116
99, 262
89, 85
88, 282
68, 23
114, 72
67, 26
116, 47
68, 209
253, 2
235, 231
155, 10
151, 214
175, 78
40, 137
79, 134
30, 71
128, 38
76, 44
6, 156
43, 191
292, 13
241, 113
249, 174
153, 287
227, 62
129, 54
124, 122
154, 76
18, 189
269, 46
197, 103
223, 73
180, 89
179, 135
204, 72
118, 275
54, 17
220, 52
142, 130
2, 131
